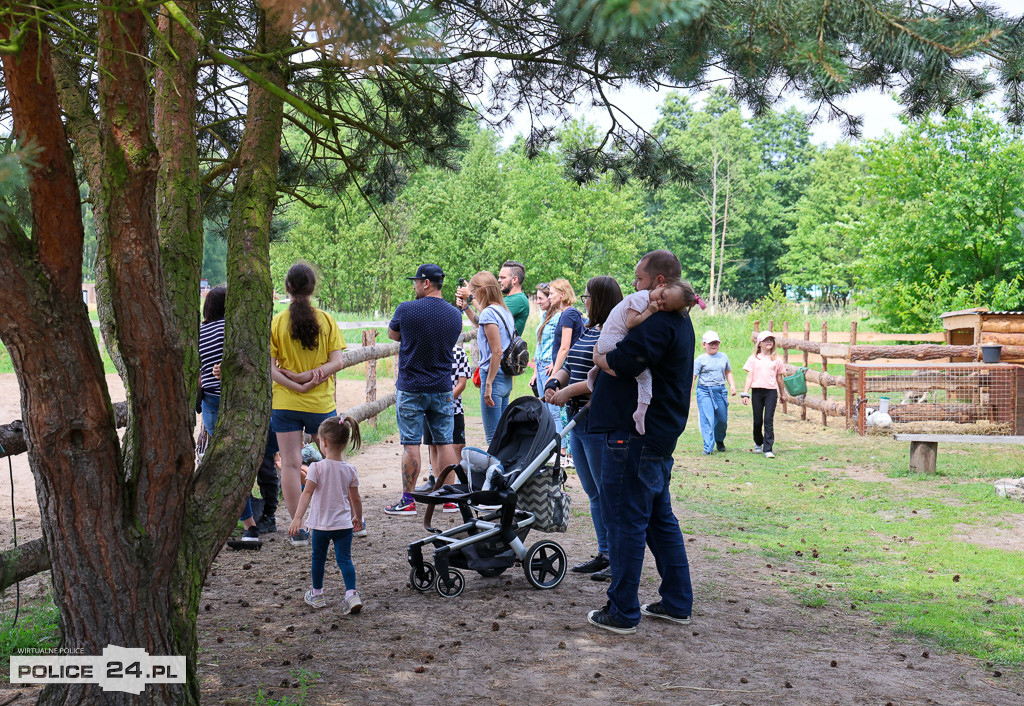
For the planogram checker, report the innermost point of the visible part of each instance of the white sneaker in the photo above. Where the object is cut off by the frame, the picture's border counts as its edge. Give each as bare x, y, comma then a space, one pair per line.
769, 454
360, 532
353, 604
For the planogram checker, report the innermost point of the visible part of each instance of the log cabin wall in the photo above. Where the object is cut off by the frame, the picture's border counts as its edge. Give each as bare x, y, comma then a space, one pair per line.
980, 326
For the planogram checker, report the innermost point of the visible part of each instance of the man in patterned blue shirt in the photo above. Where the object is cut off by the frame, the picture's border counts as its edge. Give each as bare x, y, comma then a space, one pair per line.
427, 330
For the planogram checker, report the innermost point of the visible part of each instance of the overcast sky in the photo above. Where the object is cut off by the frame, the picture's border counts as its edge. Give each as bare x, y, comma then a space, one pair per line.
879, 109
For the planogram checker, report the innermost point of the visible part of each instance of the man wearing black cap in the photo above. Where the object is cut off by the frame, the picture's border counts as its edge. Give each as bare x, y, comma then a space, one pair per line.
427, 329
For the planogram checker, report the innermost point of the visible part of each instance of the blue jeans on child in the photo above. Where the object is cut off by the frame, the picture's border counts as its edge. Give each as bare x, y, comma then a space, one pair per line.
501, 390
713, 410
342, 539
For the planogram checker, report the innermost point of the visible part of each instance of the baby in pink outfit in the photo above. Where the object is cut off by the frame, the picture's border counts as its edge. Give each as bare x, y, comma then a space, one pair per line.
630, 313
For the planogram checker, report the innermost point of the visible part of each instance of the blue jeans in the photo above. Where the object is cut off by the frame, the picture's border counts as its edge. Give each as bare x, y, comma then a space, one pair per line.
637, 509
435, 410
211, 409
586, 453
342, 539
501, 389
555, 410
713, 409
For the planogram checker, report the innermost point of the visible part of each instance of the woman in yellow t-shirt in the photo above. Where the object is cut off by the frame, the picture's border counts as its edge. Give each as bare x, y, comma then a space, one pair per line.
305, 351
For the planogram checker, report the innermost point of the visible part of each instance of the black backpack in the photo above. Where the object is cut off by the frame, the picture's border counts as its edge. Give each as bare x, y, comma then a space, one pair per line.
515, 359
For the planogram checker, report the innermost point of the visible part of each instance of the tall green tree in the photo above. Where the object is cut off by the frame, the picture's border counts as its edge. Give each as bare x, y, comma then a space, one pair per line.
783, 141
823, 252
938, 213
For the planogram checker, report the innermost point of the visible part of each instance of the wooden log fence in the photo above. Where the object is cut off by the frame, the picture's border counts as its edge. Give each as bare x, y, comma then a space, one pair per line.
12, 435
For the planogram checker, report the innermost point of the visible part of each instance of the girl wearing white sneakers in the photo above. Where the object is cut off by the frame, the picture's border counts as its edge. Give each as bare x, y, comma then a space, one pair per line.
335, 509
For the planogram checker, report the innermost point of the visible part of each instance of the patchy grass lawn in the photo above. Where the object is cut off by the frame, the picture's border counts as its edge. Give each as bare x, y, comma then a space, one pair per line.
847, 526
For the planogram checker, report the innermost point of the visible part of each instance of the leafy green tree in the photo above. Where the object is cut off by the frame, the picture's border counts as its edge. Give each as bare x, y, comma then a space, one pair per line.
714, 211
938, 214
822, 253
783, 141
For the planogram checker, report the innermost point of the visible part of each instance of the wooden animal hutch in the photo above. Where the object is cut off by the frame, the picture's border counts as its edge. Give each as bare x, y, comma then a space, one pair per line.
934, 397
974, 327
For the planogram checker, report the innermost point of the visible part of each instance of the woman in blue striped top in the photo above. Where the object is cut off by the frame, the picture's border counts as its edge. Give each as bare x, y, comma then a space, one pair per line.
568, 386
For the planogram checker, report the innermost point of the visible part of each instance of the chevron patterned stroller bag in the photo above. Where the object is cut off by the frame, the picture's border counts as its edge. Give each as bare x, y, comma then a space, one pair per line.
544, 495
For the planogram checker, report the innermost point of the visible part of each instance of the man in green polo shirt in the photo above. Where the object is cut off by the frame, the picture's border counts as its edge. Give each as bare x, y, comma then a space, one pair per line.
510, 278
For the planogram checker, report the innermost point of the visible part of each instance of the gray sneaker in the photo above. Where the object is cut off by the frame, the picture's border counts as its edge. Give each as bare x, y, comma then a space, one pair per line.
655, 610
353, 604
769, 454
757, 449
317, 600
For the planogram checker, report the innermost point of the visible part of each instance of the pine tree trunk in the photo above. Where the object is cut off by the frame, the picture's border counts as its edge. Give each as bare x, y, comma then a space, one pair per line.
179, 204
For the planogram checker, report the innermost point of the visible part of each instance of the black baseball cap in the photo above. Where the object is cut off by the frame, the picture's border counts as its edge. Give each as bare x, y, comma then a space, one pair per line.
432, 272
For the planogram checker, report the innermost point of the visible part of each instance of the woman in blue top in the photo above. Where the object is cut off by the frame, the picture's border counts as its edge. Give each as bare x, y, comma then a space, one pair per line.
570, 321
492, 338
569, 387
543, 355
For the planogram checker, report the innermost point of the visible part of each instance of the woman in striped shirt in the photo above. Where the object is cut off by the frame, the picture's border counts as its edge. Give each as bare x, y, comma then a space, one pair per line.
568, 387
211, 352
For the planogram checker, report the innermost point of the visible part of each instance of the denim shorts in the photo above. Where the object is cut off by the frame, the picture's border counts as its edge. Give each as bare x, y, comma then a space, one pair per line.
286, 420
431, 409
458, 431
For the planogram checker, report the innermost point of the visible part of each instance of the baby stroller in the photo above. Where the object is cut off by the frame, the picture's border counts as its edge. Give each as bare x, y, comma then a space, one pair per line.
513, 476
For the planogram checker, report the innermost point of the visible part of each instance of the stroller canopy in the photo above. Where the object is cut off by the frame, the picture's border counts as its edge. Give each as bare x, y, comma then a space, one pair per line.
524, 429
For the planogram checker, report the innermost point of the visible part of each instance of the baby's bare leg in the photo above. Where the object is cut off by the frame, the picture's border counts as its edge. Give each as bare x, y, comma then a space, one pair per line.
643, 394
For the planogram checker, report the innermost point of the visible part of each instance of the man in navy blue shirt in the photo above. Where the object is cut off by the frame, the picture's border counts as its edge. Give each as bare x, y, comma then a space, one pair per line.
635, 470
427, 330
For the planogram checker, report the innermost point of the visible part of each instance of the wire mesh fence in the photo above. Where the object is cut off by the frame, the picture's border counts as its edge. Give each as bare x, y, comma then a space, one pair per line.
958, 398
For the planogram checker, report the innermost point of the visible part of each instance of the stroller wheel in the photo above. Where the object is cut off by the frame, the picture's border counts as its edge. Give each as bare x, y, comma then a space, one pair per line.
423, 580
545, 564
458, 584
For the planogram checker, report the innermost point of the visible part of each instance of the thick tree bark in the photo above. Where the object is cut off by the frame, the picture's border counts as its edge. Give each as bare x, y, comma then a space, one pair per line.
179, 203
83, 129
220, 487
14, 441
106, 526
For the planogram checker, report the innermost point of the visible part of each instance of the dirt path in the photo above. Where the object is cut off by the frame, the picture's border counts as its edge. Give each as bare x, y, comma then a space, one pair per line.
750, 642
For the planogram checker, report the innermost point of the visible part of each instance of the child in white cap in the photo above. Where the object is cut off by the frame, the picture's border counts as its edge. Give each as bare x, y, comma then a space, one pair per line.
765, 371
711, 372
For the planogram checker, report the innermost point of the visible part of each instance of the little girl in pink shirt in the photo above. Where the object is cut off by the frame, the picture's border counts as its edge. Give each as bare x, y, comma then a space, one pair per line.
332, 497
765, 371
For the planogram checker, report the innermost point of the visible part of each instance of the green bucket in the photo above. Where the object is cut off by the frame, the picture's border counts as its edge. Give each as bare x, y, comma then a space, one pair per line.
796, 384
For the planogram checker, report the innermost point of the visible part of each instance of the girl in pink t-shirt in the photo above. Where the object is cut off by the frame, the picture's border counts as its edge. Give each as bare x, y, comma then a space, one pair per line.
335, 508
765, 371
